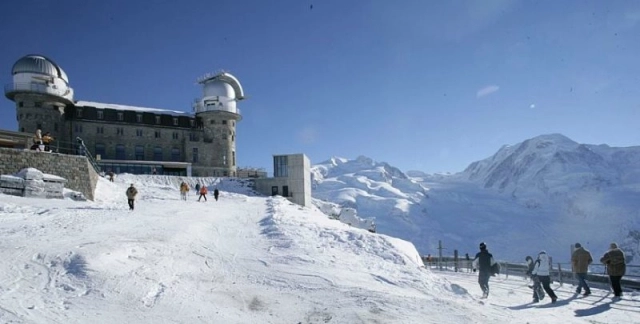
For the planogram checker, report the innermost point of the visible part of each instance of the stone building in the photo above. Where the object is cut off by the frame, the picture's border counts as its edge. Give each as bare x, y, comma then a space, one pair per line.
127, 138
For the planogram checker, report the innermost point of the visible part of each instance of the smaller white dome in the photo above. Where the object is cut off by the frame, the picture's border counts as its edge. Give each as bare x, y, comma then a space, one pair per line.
218, 88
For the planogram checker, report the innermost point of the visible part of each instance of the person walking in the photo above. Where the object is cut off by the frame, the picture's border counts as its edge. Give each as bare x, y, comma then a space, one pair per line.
616, 268
131, 196
203, 193
216, 193
541, 269
197, 188
184, 188
538, 291
580, 261
483, 263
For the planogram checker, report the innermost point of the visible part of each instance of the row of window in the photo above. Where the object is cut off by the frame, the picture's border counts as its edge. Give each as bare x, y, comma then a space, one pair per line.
121, 154
120, 116
139, 133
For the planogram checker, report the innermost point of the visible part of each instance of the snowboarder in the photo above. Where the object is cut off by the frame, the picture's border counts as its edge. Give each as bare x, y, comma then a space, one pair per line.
131, 196
203, 193
580, 261
184, 188
541, 269
483, 263
216, 193
616, 268
538, 291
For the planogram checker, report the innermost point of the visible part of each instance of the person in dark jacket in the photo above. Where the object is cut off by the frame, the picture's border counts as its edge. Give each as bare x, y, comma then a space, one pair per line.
483, 263
616, 268
131, 196
216, 193
197, 188
580, 261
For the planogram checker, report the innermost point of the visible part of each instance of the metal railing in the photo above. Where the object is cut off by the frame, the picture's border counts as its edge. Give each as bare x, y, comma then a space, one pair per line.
11, 88
560, 272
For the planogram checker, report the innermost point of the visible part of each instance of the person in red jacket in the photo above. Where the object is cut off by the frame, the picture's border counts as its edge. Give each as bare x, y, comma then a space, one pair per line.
203, 193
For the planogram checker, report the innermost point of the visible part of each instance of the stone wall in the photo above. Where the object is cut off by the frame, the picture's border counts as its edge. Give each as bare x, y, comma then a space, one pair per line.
76, 169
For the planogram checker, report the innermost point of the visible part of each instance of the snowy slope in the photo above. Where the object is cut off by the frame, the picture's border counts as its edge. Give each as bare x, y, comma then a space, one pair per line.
243, 259
548, 191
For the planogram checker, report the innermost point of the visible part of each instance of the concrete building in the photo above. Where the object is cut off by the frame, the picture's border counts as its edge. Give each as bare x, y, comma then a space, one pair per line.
291, 179
126, 138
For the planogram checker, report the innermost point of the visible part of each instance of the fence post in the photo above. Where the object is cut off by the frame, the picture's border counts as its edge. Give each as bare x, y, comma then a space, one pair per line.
440, 254
560, 273
455, 260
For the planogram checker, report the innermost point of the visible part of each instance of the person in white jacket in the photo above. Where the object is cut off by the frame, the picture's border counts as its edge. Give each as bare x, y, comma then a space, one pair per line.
541, 269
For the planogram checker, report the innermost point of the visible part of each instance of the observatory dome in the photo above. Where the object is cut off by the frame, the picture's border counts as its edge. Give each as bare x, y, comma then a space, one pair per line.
38, 64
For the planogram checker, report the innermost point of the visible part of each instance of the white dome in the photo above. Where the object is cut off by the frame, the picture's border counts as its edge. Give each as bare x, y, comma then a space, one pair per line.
218, 88
39, 64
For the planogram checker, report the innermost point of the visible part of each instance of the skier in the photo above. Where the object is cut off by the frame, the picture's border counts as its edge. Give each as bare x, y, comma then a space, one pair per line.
131, 196
203, 193
580, 261
216, 193
538, 292
541, 270
483, 263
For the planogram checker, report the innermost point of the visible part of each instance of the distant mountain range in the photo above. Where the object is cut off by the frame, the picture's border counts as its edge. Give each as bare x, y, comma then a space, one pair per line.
545, 193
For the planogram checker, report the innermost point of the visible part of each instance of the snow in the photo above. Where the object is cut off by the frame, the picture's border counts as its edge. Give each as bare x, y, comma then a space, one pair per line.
100, 105
242, 259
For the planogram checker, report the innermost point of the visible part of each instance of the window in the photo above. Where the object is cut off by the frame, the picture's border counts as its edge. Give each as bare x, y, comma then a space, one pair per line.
138, 118
139, 152
233, 123
233, 138
195, 155
120, 116
224, 122
120, 131
100, 114
157, 134
175, 155
175, 135
224, 137
280, 166
79, 113
78, 128
192, 123
55, 127
20, 104
175, 121
193, 137
37, 104
120, 153
225, 173
157, 119
157, 153
138, 132
233, 156
213, 121
22, 129
99, 130
100, 151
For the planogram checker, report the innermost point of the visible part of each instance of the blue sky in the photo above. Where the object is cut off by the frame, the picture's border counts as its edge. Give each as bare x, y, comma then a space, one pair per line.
422, 85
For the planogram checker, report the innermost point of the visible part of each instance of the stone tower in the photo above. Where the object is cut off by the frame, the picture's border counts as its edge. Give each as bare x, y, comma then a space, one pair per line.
218, 113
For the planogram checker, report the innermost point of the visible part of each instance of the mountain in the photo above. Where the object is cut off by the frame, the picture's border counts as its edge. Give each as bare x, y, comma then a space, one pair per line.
546, 192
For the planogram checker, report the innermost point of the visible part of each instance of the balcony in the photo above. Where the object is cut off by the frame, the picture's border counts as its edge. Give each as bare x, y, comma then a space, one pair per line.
11, 89
199, 107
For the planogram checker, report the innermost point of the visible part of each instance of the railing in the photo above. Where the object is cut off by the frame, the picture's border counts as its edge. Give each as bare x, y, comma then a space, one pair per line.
35, 87
561, 272
74, 148
198, 106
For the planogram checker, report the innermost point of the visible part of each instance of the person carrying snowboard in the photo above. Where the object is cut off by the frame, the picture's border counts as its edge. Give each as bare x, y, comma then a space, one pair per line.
483, 263
538, 291
203, 193
216, 193
541, 269
131, 196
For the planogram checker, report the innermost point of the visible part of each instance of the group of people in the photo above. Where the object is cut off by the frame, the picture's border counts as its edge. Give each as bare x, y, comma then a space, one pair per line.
539, 270
201, 190
41, 142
